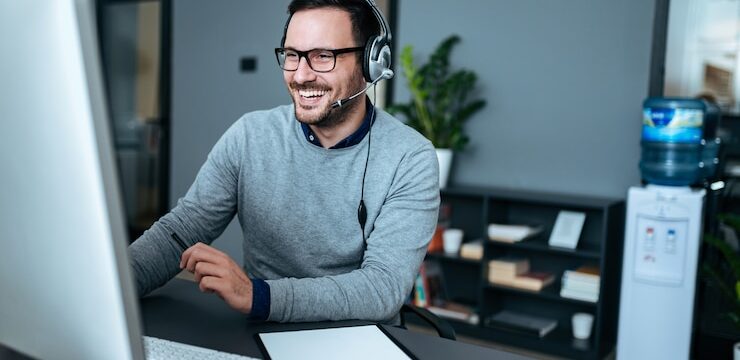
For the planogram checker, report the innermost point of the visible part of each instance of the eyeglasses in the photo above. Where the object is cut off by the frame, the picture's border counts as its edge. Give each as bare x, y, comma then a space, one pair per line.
319, 60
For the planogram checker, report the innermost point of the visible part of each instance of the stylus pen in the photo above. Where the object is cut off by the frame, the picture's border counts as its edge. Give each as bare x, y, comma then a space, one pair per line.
179, 241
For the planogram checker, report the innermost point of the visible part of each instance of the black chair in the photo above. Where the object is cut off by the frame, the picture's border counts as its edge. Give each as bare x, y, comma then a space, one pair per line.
443, 328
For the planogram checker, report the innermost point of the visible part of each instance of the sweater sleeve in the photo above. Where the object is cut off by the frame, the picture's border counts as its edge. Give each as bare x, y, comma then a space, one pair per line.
395, 249
200, 216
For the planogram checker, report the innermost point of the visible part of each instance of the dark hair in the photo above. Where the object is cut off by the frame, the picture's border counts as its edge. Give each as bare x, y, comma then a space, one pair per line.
364, 23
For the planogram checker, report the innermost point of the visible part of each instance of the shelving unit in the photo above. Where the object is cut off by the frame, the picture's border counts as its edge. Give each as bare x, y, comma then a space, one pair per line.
600, 243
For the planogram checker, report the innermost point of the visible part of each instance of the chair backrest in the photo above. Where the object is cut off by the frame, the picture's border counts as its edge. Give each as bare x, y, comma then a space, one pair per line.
443, 328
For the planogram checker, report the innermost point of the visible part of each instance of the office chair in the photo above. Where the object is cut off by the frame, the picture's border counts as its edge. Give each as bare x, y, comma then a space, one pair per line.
443, 328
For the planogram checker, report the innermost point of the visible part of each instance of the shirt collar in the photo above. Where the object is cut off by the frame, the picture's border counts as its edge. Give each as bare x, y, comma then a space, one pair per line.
352, 139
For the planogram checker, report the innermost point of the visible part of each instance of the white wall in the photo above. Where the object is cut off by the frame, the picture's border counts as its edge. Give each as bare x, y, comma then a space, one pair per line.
702, 32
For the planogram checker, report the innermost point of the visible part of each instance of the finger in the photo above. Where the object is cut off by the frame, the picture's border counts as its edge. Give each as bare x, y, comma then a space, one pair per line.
199, 246
212, 284
235, 295
205, 253
184, 258
203, 269
204, 283
186, 254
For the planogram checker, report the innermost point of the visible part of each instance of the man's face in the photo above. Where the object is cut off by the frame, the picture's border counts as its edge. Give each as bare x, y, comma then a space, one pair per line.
314, 92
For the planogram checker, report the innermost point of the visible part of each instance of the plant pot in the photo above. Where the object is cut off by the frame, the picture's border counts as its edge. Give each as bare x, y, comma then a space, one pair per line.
444, 156
736, 351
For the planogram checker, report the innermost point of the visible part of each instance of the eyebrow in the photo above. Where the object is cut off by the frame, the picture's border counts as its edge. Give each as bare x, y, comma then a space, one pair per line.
319, 48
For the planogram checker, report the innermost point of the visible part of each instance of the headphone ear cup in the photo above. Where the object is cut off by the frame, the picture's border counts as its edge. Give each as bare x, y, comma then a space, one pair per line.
377, 59
367, 58
383, 63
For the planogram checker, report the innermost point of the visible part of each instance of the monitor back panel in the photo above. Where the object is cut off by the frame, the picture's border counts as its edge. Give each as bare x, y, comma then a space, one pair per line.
66, 290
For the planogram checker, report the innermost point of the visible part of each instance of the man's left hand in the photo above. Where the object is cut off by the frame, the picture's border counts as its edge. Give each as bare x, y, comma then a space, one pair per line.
216, 272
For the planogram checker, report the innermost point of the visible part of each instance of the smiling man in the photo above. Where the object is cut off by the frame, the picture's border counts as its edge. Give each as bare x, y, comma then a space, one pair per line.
294, 177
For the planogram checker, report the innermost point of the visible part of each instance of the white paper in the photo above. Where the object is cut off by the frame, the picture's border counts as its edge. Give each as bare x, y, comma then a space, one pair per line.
355, 342
567, 229
510, 233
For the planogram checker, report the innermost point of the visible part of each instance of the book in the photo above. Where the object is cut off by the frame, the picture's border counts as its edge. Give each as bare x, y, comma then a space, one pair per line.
456, 311
586, 277
472, 250
579, 295
521, 323
586, 272
508, 266
576, 278
574, 282
579, 285
434, 282
512, 233
534, 281
421, 288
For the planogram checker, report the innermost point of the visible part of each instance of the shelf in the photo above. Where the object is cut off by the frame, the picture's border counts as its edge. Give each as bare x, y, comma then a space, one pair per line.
473, 209
534, 197
551, 292
559, 341
540, 244
452, 258
459, 326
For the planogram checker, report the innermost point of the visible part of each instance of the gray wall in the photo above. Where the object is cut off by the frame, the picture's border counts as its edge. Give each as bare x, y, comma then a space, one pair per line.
209, 92
564, 82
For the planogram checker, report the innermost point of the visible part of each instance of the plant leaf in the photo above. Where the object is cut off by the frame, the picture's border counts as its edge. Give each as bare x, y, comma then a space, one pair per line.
729, 254
439, 102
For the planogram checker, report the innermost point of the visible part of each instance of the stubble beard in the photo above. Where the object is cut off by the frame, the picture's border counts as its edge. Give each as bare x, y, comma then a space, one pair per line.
329, 117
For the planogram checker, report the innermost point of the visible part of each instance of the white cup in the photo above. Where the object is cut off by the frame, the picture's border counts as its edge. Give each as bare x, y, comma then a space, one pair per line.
582, 323
451, 239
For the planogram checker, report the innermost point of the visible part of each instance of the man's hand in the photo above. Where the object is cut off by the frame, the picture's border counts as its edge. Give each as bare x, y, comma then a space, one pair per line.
215, 272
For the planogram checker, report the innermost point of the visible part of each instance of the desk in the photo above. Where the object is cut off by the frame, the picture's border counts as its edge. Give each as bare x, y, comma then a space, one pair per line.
180, 312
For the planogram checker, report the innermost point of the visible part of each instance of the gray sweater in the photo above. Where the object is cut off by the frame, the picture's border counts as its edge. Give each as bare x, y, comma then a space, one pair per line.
297, 206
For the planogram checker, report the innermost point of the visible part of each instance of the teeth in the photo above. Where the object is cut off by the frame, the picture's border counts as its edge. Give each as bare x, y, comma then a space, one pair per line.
312, 93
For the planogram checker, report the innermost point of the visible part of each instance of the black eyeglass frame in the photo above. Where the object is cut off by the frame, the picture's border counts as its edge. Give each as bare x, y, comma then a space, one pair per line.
304, 54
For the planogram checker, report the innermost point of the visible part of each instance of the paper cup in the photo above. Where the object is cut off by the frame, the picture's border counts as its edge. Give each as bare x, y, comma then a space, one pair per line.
582, 323
452, 239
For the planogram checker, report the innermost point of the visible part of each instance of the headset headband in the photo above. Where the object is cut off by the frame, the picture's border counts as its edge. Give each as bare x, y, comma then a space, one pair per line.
386, 32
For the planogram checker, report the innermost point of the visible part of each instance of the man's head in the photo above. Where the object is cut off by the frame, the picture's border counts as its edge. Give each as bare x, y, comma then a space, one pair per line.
329, 25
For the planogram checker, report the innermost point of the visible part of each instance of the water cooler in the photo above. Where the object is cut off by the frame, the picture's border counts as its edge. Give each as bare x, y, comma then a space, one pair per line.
664, 223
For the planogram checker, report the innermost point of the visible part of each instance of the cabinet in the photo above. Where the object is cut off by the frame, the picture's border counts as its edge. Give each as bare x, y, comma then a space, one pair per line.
600, 243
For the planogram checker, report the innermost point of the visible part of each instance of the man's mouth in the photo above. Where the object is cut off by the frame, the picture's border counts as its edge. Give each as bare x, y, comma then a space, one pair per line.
312, 93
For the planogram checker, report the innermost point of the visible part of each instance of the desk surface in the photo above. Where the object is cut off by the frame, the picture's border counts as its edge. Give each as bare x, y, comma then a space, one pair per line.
180, 312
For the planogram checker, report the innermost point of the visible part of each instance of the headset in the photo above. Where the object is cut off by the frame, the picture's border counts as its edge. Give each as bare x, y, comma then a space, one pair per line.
376, 66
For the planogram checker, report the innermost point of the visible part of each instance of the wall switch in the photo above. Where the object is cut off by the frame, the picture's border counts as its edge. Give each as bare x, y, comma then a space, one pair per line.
248, 64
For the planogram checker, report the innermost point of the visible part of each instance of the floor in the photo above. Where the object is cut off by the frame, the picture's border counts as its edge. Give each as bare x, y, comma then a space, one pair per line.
497, 346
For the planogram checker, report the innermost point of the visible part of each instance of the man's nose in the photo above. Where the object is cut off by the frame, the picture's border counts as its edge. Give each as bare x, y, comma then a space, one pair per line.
304, 73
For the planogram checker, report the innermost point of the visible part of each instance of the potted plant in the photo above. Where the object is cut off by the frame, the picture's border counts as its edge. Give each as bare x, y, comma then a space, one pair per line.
440, 103
724, 275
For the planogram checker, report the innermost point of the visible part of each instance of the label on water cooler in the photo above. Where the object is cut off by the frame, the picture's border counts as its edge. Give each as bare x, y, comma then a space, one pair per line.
672, 125
660, 251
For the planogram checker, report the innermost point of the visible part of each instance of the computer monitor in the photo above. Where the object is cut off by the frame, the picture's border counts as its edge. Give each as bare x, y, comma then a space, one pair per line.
66, 291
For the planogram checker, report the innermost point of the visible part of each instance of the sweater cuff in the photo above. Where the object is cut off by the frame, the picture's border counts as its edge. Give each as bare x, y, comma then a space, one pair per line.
260, 300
